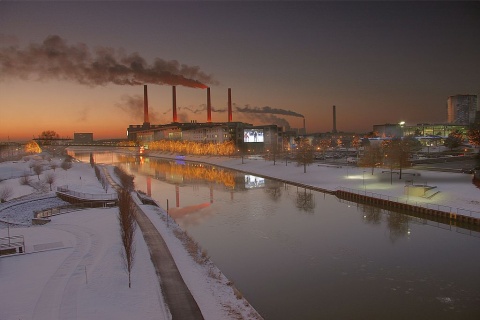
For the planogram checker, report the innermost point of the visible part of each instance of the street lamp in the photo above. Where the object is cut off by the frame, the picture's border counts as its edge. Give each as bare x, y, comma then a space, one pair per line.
364, 186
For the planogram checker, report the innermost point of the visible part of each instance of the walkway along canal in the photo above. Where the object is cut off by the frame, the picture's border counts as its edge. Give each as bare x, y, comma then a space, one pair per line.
180, 301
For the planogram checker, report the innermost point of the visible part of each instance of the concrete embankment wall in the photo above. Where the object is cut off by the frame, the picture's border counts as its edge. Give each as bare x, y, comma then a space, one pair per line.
408, 208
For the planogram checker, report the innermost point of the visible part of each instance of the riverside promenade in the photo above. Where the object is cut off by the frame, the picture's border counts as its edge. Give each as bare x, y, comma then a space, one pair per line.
178, 297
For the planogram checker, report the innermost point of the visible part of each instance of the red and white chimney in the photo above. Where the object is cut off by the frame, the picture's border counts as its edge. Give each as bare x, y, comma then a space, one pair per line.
229, 104
209, 106
145, 105
334, 120
174, 106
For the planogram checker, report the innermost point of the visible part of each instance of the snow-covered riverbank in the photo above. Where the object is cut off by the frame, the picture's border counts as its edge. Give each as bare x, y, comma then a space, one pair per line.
72, 267
455, 190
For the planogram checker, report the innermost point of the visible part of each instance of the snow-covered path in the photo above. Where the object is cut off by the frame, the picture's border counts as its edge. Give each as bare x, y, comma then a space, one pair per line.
58, 297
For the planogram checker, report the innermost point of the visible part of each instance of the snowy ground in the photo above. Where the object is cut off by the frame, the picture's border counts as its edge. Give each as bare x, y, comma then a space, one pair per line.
72, 267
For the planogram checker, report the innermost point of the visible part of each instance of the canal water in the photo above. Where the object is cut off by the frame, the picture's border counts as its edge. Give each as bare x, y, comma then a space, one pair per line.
300, 254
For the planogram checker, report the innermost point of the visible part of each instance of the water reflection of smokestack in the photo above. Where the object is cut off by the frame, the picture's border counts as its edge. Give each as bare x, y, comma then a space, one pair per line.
209, 106
149, 186
211, 194
177, 196
145, 105
229, 105
174, 101
231, 195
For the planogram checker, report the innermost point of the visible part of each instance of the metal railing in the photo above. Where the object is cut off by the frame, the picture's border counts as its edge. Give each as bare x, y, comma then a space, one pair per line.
12, 242
45, 213
86, 196
426, 205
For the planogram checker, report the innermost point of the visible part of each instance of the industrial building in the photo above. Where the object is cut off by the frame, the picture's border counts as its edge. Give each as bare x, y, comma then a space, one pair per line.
263, 138
462, 109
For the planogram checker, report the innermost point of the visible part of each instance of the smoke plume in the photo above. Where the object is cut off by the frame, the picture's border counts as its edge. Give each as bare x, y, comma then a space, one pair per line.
267, 109
268, 118
133, 106
203, 108
55, 59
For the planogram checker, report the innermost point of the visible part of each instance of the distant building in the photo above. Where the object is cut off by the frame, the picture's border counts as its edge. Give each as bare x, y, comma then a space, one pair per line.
388, 130
263, 138
462, 109
83, 137
418, 130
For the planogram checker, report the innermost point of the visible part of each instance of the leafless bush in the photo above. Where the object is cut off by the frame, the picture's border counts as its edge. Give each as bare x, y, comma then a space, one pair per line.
25, 179
53, 165
31, 164
213, 273
127, 231
193, 248
38, 169
5, 193
237, 293
50, 179
66, 165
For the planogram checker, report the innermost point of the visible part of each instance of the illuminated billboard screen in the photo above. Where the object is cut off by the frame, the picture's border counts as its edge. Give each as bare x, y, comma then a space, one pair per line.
252, 135
254, 182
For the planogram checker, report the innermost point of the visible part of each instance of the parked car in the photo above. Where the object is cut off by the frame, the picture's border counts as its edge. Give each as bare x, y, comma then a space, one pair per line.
467, 170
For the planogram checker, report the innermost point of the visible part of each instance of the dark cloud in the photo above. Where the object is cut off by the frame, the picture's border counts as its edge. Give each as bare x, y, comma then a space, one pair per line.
55, 59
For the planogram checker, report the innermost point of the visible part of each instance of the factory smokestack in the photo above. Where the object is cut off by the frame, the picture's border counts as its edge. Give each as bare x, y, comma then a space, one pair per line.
145, 105
209, 106
334, 120
229, 104
304, 128
174, 101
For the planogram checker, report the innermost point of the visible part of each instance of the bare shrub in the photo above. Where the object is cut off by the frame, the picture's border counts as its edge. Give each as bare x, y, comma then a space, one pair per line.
212, 273
5, 193
31, 164
66, 165
50, 179
237, 293
127, 231
25, 179
53, 166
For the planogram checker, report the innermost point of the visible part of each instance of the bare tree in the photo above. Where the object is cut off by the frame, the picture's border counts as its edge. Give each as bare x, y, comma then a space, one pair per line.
25, 179
305, 153
5, 193
127, 231
372, 156
50, 179
38, 169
